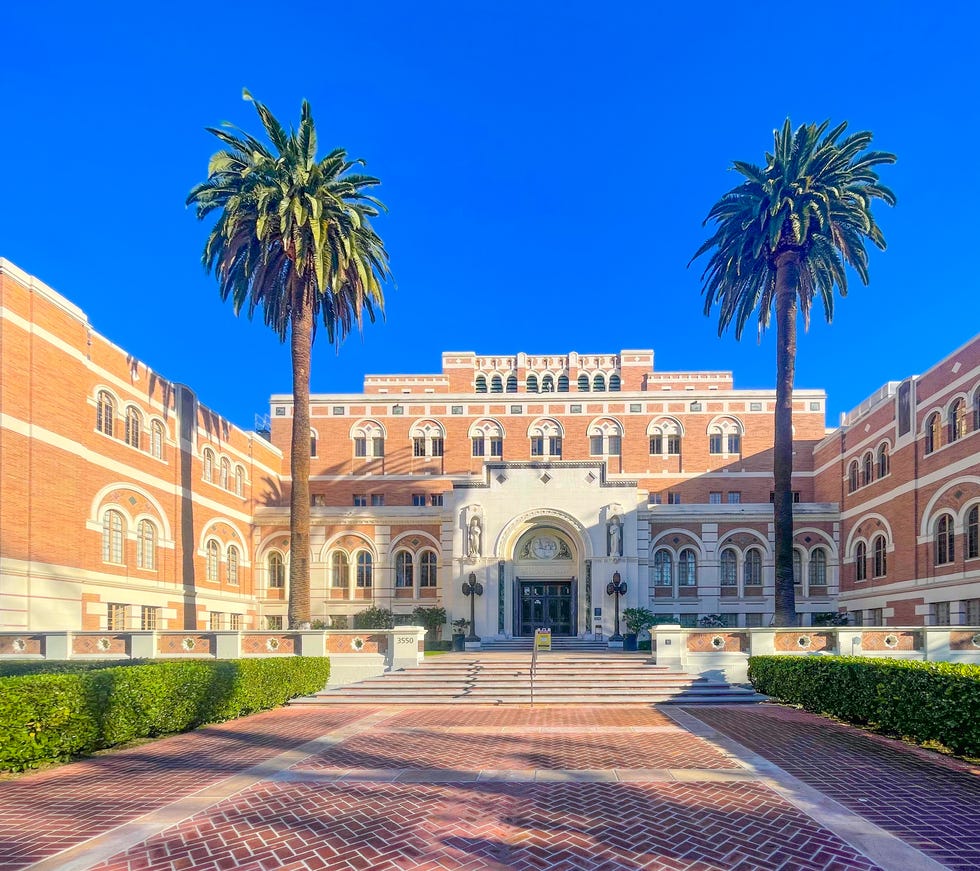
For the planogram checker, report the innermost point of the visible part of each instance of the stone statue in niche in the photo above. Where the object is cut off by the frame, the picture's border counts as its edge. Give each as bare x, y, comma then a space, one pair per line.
615, 536
474, 535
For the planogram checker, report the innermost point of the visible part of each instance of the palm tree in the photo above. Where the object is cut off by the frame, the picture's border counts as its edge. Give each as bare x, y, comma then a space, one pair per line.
783, 237
293, 238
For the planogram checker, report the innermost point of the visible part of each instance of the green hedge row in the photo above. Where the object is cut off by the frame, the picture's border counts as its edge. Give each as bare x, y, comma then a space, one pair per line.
923, 701
47, 717
62, 666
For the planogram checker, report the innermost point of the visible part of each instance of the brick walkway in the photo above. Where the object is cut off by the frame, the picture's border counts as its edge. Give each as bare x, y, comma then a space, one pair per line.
548, 789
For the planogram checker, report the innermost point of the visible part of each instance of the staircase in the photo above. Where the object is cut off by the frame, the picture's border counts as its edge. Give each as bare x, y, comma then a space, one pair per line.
504, 678
558, 644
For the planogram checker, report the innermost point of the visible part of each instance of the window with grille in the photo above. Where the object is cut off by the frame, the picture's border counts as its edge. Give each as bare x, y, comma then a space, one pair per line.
149, 618
115, 616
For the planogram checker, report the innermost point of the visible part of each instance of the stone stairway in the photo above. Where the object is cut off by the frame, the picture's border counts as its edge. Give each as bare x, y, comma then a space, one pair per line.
570, 645
504, 678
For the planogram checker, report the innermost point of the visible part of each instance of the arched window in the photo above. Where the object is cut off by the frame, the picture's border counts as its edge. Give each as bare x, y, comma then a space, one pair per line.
599, 383
933, 433
818, 567
232, 564
134, 421
881, 559
496, 384
369, 439
547, 384
428, 566
224, 472
157, 437
277, 571
146, 546
239, 481
605, 439
339, 570
797, 567
112, 537
208, 465
662, 569
614, 383
687, 568
883, 461
861, 561
512, 384
725, 437
365, 569
976, 410
212, 551
532, 383
481, 384
583, 383
546, 439
868, 470
313, 438
973, 533
404, 572
945, 552
956, 420
852, 476
753, 567
728, 568
105, 412
563, 384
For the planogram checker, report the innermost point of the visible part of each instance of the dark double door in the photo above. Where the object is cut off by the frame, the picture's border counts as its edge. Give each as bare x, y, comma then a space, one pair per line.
545, 605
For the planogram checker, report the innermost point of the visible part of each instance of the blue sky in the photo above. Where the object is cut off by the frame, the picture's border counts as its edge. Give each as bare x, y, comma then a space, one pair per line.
547, 167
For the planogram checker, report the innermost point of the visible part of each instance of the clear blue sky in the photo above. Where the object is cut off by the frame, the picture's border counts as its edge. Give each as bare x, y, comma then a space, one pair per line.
547, 167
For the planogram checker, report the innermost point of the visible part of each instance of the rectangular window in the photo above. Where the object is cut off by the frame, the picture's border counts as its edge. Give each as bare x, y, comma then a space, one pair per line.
734, 497
377, 499
537, 446
115, 616
149, 618
479, 446
360, 500
734, 443
755, 406
714, 443
554, 446
273, 621
457, 409
615, 446
360, 447
656, 445
418, 447
496, 446
435, 500
216, 620
971, 612
338, 410
379, 446
437, 447
318, 500
730, 621
595, 445
796, 496
635, 408
753, 621
235, 622
940, 614
656, 499
714, 498
418, 499
688, 621
673, 498
875, 617
673, 444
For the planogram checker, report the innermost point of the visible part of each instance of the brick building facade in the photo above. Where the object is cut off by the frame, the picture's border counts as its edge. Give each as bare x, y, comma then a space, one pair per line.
127, 504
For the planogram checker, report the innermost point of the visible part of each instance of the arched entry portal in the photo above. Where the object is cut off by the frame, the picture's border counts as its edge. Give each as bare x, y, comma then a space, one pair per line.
545, 592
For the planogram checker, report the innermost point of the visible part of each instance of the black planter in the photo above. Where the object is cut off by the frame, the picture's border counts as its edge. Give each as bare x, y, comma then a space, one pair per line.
629, 643
459, 643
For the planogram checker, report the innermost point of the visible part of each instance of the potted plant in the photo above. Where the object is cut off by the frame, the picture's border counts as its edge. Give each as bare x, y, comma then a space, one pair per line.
459, 634
637, 620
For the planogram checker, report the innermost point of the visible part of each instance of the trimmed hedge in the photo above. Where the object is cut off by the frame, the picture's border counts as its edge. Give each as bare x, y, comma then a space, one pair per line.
48, 717
62, 666
923, 701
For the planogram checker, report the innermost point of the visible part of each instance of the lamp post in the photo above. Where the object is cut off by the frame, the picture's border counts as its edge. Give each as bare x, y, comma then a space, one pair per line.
472, 589
616, 587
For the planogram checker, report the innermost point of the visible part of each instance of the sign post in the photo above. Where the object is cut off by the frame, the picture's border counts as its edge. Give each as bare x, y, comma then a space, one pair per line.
542, 639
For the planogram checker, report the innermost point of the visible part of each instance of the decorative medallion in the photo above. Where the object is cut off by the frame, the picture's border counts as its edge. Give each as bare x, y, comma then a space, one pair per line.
188, 643
718, 642
804, 641
103, 644
357, 643
975, 641
545, 547
19, 645
891, 641
272, 644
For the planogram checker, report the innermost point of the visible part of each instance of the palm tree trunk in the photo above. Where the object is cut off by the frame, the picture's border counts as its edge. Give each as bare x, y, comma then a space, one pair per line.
787, 284
301, 342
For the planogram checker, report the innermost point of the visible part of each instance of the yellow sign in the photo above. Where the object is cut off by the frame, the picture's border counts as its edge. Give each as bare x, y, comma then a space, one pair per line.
542, 639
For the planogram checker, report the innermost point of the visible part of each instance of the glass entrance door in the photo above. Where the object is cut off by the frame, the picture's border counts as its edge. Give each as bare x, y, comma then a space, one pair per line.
546, 605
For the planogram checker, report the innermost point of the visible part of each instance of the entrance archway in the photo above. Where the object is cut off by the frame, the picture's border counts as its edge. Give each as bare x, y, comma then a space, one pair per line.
546, 562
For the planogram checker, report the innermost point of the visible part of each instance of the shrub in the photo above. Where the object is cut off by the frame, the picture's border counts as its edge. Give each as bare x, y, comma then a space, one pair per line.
62, 666
433, 619
374, 618
47, 717
923, 701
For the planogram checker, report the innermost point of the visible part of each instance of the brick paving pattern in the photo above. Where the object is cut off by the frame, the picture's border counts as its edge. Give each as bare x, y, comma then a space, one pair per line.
527, 827
433, 749
45, 812
581, 716
926, 800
